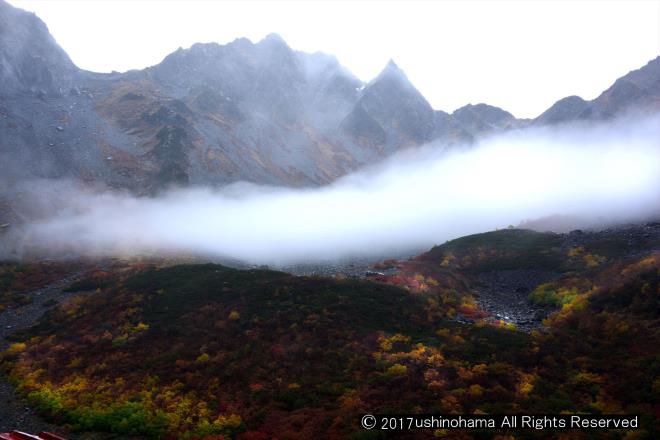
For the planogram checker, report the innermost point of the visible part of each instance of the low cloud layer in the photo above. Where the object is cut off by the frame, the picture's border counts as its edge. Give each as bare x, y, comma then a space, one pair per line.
412, 201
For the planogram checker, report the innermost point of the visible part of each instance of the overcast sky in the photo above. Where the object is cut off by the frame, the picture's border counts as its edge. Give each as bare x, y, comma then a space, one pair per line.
521, 56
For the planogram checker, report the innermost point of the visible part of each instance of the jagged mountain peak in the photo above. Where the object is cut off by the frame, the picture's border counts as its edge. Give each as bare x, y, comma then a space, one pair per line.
318, 61
392, 73
391, 111
211, 51
391, 65
213, 113
274, 41
22, 21
320, 65
30, 58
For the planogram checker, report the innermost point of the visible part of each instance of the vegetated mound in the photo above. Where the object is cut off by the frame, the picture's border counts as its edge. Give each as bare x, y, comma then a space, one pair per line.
520, 248
500, 250
520, 276
203, 350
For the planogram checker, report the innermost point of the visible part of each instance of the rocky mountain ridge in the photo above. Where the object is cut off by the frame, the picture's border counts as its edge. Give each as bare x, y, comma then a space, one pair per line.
216, 114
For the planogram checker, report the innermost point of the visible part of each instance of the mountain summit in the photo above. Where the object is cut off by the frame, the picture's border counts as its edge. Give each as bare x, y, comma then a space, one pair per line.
30, 59
390, 113
638, 91
215, 114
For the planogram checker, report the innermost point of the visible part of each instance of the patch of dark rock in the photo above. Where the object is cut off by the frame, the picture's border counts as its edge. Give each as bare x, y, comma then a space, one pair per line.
504, 294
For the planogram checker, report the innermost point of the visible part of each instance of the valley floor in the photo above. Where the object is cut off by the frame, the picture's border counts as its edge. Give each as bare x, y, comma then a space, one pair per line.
495, 322
14, 409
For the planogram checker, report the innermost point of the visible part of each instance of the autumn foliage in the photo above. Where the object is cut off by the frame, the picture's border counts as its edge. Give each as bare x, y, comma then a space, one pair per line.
205, 351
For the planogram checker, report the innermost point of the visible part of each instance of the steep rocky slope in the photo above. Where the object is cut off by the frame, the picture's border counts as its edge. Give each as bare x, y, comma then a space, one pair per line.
636, 92
215, 114
208, 114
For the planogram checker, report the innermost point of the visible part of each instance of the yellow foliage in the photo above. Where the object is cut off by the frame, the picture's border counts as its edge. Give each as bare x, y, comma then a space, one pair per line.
75, 362
234, 315
231, 421
586, 377
387, 343
397, 370
480, 369
16, 348
593, 260
509, 325
646, 263
447, 260
418, 352
141, 327
526, 384
475, 390
574, 252
120, 340
448, 297
350, 401
202, 358
443, 332
436, 359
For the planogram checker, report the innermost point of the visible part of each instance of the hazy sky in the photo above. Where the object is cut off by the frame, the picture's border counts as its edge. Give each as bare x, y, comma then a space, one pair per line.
521, 56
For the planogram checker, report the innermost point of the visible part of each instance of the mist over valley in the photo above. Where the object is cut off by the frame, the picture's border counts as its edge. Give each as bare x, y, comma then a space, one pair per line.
246, 241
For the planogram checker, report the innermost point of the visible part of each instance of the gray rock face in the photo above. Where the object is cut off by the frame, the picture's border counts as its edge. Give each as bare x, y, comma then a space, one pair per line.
390, 112
450, 130
564, 110
638, 91
215, 114
483, 118
30, 59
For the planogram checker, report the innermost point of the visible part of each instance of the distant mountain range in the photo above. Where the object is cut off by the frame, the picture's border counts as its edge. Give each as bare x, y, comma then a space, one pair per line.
215, 114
